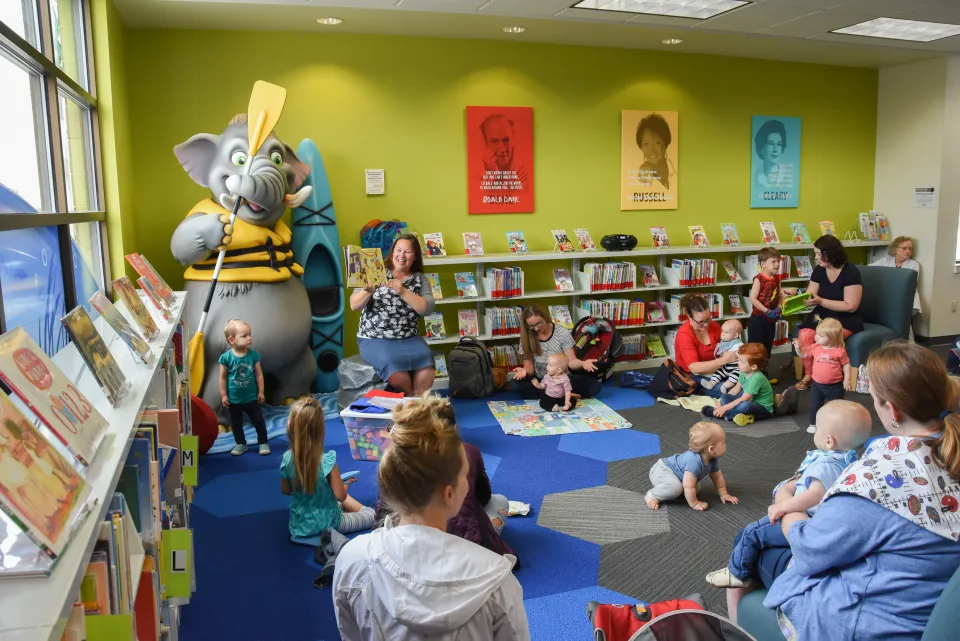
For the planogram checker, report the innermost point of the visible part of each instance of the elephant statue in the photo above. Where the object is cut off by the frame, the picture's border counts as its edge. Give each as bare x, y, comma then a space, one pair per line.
260, 281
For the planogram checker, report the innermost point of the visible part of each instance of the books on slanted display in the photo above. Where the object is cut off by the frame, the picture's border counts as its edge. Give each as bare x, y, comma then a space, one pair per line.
433, 244
736, 305
134, 304
563, 281
649, 274
96, 354
827, 228
433, 326
655, 312
586, 243
732, 272
472, 243
562, 241
468, 323
516, 242
154, 296
466, 284
655, 348
49, 394
770, 236
560, 314
659, 235
698, 237
728, 231
803, 265
434, 280
364, 266
440, 365
119, 324
800, 234
159, 286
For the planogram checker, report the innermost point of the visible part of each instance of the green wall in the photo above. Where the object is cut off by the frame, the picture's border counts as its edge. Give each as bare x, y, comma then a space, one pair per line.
398, 104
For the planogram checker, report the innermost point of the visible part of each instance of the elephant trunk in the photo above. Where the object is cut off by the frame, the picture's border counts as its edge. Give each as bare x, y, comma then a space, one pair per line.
264, 187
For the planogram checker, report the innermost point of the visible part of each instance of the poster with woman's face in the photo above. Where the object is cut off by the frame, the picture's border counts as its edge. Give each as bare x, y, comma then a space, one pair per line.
775, 169
649, 159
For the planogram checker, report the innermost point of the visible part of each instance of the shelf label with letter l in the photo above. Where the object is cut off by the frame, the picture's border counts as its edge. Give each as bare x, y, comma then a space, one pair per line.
189, 457
177, 567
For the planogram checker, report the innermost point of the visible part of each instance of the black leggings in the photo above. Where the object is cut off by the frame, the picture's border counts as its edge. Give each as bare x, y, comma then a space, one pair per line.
547, 403
256, 417
585, 386
820, 395
759, 330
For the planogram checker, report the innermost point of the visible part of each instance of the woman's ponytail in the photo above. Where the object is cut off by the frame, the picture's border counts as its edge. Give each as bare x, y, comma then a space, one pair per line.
947, 450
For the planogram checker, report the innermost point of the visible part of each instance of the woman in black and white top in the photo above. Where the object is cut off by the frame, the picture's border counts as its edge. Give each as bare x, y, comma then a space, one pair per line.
388, 336
541, 339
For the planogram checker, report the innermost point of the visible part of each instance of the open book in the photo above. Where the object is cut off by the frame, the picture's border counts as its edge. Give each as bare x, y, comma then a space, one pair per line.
364, 266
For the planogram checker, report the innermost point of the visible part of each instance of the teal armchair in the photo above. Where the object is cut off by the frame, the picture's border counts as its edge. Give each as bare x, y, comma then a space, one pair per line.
886, 309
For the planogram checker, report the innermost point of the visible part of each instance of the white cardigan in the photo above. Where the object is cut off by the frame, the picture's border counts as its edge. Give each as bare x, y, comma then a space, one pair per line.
890, 261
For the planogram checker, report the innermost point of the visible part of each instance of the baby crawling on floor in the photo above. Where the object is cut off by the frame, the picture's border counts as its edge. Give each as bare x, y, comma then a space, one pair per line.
681, 474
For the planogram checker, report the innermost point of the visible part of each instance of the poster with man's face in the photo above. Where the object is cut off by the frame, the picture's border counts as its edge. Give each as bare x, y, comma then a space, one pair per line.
499, 160
649, 159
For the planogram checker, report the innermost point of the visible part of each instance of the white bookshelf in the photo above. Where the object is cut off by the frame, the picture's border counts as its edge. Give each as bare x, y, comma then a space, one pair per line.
36, 608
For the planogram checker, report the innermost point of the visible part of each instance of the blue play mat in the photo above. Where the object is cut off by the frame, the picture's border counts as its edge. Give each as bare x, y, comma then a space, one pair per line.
276, 420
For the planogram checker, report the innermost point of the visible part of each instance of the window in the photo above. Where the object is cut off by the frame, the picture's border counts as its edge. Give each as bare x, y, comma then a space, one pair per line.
51, 212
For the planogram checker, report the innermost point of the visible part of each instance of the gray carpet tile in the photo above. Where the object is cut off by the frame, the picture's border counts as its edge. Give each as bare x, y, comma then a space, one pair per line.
602, 515
760, 429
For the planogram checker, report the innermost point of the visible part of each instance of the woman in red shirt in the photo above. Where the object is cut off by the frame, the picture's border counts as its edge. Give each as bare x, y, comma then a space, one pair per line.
697, 340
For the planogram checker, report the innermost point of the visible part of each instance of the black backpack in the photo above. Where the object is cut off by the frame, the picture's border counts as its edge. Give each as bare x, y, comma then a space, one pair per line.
471, 369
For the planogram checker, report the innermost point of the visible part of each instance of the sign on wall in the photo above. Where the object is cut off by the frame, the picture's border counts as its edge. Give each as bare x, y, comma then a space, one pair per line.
499, 160
775, 169
649, 157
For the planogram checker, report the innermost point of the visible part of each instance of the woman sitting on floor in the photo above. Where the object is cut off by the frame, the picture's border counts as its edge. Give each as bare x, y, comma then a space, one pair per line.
483, 515
872, 562
410, 579
541, 339
696, 343
388, 337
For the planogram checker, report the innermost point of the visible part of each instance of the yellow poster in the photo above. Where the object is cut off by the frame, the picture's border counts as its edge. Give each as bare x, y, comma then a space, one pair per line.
649, 157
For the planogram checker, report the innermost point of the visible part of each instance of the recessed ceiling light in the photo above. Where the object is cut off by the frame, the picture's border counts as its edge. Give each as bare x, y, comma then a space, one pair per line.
329, 20
514, 29
700, 9
671, 41
895, 29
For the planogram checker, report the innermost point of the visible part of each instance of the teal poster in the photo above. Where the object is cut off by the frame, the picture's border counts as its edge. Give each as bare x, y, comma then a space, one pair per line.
775, 169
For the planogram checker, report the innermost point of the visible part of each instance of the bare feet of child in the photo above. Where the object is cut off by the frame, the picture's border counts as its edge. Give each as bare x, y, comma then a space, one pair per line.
652, 503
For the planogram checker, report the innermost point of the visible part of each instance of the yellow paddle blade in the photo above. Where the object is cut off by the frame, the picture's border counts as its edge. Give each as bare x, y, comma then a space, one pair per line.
266, 105
196, 363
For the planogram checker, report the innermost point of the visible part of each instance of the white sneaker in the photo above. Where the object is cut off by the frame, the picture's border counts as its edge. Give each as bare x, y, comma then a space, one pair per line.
812, 429
723, 579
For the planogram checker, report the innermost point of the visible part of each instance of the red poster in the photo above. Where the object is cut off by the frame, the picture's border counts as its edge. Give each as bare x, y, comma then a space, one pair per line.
500, 160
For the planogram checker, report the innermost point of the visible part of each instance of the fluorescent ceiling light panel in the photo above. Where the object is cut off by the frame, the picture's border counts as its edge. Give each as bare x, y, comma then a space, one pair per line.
894, 29
700, 9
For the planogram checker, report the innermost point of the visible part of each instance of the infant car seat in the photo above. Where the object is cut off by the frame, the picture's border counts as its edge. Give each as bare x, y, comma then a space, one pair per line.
597, 338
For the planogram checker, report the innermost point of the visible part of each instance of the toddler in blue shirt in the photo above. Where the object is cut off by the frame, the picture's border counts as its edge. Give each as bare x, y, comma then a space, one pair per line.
846, 426
681, 474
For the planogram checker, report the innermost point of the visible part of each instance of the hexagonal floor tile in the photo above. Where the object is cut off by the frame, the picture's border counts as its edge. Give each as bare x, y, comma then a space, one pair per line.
613, 445
245, 493
602, 515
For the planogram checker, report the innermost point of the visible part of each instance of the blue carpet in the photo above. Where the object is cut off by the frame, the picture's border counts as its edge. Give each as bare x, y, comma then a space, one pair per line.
244, 555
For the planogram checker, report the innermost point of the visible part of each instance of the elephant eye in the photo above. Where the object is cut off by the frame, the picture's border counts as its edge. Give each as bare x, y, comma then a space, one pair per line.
276, 158
239, 158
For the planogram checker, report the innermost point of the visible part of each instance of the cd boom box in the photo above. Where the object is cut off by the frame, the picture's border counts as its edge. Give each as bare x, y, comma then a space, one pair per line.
618, 242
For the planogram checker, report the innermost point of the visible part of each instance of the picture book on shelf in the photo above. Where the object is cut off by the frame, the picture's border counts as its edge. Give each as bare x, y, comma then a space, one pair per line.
804, 267
472, 243
655, 348
434, 280
736, 305
134, 304
650, 278
730, 236
154, 297
586, 243
698, 237
440, 365
146, 270
516, 242
659, 235
364, 266
800, 234
466, 284
732, 272
883, 227
562, 240
433, 244
563, 281
655, 312
868, 228
39, 489
49, 394
433, 326
96, 354
769, 231
827, 228
119, 324
467, 321
560, 314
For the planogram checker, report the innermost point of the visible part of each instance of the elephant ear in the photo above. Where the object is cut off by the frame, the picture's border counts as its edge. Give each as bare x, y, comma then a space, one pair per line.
300, 169
197, 155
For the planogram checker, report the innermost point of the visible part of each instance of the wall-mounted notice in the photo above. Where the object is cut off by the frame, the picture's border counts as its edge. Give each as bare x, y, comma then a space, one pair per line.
925, 197
775, 170
649, 157
375, 186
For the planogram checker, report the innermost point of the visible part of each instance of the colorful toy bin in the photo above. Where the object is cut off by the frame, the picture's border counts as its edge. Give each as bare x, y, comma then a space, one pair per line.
369, 434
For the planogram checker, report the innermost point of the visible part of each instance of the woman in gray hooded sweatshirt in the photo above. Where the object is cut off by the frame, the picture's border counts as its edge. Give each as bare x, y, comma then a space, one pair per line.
412, 579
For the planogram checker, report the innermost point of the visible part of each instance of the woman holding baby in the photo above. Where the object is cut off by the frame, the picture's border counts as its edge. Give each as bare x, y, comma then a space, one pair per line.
696, 344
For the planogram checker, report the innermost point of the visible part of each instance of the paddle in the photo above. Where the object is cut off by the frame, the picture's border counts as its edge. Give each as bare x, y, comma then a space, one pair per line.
266, 105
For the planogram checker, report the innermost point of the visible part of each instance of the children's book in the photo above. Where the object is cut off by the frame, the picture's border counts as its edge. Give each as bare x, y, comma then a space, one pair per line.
433, 326
796, 304
659, 235
698, 237
134, 304
440, 365
883, 227
649, 274
96, 354
49, 394
38, 487
868, 228
563, 281
769, 231
364, 266
655, 348
560, 314
472, 244
827, 229
562, 240
800, 234
146, 270
154, 297
467, 321
433, 244
466, 284
435, 286
736, 305
586, 243
730, 236
804, 267
732, 272
119, 324
655, 312
516, 242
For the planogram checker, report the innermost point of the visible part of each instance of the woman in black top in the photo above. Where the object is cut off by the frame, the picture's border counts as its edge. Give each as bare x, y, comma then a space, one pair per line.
837, 289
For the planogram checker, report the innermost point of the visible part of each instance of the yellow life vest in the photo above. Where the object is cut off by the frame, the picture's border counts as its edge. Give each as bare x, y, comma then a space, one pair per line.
255, 255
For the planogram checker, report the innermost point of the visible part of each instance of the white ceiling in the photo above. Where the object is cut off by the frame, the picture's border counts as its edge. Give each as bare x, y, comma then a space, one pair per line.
795, 30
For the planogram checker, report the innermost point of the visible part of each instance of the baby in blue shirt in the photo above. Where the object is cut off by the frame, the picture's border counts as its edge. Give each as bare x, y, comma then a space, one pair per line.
682, 473
846, 427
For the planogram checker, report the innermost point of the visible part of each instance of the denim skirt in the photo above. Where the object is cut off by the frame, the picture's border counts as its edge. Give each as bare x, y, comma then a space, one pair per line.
389, 355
